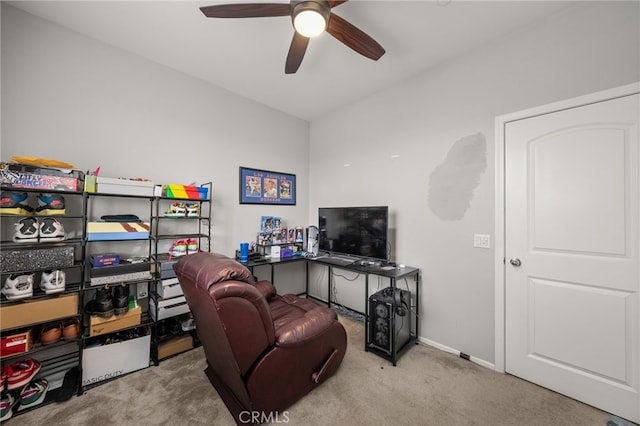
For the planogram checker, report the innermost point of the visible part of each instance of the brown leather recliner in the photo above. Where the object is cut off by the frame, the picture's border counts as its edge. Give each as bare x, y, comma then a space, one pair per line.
264, 351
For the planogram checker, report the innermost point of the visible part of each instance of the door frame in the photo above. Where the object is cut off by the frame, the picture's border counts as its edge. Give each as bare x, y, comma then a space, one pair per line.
500, 231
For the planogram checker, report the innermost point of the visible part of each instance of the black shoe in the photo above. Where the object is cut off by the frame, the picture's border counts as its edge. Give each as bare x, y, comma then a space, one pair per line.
102, 304
121, 299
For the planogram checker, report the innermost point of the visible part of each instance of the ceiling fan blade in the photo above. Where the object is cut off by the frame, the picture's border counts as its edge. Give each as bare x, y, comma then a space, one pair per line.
355, 38
296, 53
334, 3
247, 10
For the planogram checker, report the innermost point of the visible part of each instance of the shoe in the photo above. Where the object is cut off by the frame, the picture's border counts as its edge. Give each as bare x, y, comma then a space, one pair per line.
18, 286
33, 394
178, 248
121, 299
176, 210
102, 304
71, 329
51, 333
52, 282
193, 209
27, 230
4, 375
6, 406
51, 230
188, 324
192, 246
50, 205
21, 372
15, 203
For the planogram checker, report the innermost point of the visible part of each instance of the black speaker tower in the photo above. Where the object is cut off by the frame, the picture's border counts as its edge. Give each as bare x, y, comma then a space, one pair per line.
389, 310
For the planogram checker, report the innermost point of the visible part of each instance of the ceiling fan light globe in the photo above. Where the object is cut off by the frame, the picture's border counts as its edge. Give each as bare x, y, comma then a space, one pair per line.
309, 23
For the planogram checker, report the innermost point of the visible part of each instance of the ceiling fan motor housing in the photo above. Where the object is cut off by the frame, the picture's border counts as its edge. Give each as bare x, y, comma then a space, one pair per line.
320, 7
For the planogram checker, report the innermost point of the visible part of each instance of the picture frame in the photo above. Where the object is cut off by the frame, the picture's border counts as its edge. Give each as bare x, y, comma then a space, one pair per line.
259, 186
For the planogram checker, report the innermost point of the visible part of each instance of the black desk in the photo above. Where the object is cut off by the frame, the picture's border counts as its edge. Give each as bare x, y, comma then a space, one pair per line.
394, 274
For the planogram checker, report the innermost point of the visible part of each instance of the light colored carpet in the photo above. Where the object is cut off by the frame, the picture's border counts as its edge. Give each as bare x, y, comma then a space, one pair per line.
427, 387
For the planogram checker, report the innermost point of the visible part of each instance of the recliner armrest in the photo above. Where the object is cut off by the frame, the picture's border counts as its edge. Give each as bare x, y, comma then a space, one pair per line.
266, 288
301, 330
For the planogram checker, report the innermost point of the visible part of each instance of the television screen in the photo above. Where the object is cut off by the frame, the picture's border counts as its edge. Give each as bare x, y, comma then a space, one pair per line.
357, 231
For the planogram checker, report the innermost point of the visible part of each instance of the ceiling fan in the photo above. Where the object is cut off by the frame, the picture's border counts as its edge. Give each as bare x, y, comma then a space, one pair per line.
310, 18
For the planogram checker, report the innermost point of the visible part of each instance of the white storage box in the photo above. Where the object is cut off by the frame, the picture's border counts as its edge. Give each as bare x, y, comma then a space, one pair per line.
107, 185
109, 361
169, 288
168, 308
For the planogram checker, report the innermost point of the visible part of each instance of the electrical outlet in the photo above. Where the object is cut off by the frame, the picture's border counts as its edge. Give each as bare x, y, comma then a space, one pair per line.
482, 240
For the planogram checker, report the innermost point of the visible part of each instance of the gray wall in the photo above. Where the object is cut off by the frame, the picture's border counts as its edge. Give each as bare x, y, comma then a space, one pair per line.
440, 125
69, 97
72, 98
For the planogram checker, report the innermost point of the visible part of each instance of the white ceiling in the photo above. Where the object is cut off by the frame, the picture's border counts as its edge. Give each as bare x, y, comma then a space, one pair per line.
247, 56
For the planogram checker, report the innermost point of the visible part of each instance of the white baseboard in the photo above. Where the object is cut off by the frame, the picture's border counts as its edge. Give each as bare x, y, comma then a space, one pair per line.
456, 352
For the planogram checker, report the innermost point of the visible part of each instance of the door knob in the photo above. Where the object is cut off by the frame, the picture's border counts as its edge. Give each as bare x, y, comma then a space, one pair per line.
515, 262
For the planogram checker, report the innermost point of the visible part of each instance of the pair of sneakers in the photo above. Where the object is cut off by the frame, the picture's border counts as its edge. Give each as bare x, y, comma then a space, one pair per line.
108, 302
184, 247
30, 396
54, 332
20, 286
18, 203
32, 230
18, 374
183, 210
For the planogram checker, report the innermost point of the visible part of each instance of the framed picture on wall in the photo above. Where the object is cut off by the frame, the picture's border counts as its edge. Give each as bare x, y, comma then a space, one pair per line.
267, 187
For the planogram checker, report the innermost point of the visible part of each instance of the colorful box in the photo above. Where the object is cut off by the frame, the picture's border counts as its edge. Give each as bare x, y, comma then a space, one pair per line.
185, 191
31, 311
15, 344
16, 175
102, 260
109, 231
98, 325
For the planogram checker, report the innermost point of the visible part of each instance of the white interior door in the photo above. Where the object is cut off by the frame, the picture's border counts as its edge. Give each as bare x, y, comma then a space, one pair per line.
572, 237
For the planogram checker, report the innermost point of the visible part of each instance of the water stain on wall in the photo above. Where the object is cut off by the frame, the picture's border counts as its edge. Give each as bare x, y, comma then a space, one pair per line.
453, 182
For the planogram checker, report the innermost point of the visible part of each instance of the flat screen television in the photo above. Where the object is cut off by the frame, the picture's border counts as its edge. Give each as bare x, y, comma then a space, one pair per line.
355, 231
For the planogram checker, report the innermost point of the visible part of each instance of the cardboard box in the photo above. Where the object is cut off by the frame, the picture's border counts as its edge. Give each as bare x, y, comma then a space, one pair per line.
21, 314
168, 308
169, 288
109, 231
175, 346
109, 361
15, 344
16, 175
29, 260
185, 192
98, 325
105, 185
